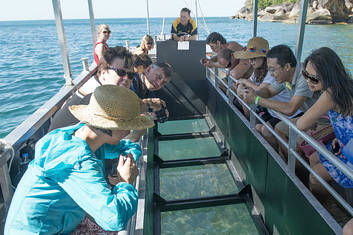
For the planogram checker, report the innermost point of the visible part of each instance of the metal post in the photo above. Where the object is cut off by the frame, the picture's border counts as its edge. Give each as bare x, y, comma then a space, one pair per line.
85, 64
148, 19
255, 5
127, 44
62, 42
162, 32
301, 29
91, 19
292, 144
252, 116
230, 86
197, 18
216, 77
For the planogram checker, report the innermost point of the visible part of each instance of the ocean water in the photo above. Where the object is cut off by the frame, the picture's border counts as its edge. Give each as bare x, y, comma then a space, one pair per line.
30, 61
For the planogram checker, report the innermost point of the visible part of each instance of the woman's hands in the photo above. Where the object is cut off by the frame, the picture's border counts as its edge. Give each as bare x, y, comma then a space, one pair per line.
127, 170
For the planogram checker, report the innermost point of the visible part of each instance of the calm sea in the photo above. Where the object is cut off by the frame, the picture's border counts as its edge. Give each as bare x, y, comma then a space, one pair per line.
30, 61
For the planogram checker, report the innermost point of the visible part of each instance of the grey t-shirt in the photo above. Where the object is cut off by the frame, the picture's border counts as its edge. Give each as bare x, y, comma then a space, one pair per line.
298, 87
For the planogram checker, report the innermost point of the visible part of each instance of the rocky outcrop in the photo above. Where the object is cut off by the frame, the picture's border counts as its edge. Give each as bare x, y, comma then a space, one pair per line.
319, 12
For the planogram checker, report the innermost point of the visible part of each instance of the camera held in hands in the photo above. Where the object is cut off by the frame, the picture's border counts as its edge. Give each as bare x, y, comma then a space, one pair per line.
161, 114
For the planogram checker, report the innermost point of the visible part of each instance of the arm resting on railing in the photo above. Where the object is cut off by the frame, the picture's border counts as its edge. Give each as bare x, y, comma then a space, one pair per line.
287, 108
321, 107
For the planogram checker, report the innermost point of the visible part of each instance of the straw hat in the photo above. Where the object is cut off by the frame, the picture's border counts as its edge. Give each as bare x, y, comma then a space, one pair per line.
257, 47
114, 108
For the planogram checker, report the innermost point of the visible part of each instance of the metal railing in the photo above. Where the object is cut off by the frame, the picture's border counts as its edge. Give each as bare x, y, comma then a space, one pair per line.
293, 132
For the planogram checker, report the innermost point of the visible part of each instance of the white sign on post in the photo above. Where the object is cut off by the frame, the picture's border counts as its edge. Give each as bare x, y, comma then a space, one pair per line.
184, 45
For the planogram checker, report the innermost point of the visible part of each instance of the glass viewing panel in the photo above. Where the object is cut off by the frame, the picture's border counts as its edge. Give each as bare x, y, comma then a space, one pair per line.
183, 126
228, 219
196, 181
188, 149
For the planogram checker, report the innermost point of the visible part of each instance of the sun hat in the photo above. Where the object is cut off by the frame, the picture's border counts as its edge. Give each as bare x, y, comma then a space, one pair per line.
114, 108
257, 47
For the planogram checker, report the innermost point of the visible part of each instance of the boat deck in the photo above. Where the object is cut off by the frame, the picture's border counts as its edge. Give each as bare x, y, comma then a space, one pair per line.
194, 189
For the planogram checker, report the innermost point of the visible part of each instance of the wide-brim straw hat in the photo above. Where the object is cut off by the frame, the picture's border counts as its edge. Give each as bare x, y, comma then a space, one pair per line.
257, 47
113, 108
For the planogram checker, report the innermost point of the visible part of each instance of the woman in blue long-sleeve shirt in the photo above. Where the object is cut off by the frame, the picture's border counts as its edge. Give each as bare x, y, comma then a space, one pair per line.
66, 180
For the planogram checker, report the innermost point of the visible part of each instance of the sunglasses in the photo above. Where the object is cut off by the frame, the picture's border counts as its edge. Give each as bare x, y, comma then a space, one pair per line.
108, 32
314, 79
123, 72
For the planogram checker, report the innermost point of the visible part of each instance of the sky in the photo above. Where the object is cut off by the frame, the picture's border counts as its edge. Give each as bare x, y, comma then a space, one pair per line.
78, 9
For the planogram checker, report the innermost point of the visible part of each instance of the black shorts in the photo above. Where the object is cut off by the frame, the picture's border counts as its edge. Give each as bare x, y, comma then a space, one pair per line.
267, 117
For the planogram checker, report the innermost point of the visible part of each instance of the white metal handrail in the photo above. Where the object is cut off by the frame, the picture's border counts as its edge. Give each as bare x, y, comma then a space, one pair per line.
292, 154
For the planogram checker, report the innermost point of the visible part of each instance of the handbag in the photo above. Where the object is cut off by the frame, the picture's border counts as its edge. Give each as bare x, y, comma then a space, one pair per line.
323, 136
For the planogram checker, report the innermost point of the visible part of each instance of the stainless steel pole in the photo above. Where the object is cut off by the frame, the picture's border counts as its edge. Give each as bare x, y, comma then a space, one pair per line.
91, 19
255, 5
197, 18
301, 29
148, 19
62, 42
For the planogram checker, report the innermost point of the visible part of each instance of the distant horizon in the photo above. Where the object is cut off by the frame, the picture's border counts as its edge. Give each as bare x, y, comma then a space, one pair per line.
107, 18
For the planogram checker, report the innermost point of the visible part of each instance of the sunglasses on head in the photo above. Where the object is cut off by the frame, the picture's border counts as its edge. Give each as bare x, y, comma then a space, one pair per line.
314, 79
123, 72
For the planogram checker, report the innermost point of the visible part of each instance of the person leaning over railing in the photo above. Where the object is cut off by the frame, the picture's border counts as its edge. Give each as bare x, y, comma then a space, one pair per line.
283, 66
324, 72
256, 50
237, 68
217, 42
65, 182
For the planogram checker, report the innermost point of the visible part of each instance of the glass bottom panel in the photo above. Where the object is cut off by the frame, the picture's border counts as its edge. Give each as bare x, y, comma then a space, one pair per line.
229, 219
196, 181
188, 149
183, 126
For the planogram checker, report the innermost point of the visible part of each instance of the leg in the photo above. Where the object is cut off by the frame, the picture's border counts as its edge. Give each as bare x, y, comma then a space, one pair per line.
246, 112
271, 139
314, 159
315, 186
348, 228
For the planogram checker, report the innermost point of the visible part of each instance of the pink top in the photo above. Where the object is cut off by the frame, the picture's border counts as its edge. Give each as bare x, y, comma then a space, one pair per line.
96, 59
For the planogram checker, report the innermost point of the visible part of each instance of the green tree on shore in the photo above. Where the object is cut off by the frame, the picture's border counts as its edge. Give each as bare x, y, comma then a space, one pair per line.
265, 3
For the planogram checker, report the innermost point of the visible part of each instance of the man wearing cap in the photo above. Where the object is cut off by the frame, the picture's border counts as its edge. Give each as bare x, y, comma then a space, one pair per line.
65, 181
184, 28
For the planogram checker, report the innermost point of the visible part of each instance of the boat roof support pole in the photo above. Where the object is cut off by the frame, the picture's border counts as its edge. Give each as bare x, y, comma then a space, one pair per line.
197, 18
148, 19
301, 29
255, 6
91, 19
62, 42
